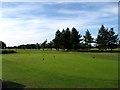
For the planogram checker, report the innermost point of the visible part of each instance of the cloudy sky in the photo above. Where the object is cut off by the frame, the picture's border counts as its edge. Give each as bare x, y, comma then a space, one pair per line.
32, 22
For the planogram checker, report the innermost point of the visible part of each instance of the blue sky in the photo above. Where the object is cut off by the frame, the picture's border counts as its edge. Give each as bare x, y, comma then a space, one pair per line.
32, 22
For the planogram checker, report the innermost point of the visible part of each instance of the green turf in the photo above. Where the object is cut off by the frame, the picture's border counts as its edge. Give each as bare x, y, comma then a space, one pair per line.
0, 66
56, 69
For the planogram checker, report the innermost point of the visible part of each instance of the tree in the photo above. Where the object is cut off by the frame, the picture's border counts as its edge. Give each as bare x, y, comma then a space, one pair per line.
102, 38
112, 39
23, 47
50, 45
62, 40
57, 40
67, 39
107, 38
2, 45
75, 39
88, 39
43, 45
37, 46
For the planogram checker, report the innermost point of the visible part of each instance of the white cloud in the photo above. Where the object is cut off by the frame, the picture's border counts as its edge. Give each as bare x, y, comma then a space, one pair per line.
16, 31
112, 9
105, 10
20, 31
20, 10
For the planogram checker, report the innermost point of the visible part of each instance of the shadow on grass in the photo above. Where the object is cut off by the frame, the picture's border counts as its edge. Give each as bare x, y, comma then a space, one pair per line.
12, 85
6, 51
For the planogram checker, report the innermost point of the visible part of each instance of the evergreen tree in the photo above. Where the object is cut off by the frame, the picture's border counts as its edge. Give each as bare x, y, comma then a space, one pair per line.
102, 38
112, 39
57, 40
88, 39
62, 40
67, 39
75, 39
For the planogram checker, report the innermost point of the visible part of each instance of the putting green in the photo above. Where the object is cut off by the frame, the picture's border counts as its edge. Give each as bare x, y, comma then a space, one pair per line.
56, 69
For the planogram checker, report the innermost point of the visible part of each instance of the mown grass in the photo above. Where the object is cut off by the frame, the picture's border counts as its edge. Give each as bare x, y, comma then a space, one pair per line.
56, 69
0, 66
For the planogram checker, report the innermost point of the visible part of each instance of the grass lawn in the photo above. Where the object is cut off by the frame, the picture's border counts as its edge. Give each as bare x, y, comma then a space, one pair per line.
0, 66
56, 69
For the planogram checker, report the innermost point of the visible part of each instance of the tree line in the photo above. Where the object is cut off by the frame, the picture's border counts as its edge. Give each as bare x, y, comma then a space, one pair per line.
72, 40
